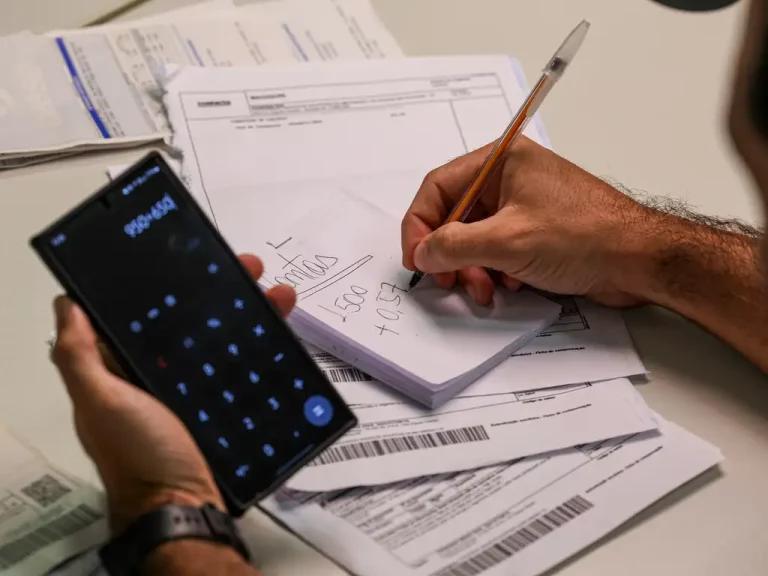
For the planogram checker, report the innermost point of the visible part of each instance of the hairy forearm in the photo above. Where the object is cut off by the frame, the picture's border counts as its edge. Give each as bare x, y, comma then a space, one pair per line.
196, 557
712, 276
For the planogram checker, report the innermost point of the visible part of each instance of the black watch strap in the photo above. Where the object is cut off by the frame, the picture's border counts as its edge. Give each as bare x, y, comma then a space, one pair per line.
125, 554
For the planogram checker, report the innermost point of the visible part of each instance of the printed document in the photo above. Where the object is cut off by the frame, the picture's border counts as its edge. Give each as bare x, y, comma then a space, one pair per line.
372, 128
126, 60
298, 135
46, 516
399, 441
520, 518
69, 91
588, 341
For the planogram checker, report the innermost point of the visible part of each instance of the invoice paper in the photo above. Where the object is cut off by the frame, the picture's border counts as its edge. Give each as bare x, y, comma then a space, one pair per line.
46, 516
398, 441
73, 90
520, 518
126, 60
296, 135
385, 122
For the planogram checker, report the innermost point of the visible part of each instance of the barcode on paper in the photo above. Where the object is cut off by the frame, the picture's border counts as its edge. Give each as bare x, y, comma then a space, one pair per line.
349, 374
384, 446
46, 490
70, 523
519, 540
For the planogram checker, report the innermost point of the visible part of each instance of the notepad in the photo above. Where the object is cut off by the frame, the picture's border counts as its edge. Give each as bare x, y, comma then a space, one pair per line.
343, 259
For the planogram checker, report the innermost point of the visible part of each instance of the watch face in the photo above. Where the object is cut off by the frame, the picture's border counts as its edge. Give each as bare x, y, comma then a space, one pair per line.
697, 5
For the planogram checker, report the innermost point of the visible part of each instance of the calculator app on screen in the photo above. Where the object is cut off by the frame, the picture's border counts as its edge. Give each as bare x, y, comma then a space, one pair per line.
194, 330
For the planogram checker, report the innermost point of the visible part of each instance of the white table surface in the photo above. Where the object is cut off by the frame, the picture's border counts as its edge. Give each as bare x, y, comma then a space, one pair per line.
44, 15
644, 105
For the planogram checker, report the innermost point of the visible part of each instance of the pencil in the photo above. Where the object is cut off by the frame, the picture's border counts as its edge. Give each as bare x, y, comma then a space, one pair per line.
551, 74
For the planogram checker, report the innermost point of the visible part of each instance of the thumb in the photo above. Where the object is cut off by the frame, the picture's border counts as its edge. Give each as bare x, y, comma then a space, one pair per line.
457, 246
76, 353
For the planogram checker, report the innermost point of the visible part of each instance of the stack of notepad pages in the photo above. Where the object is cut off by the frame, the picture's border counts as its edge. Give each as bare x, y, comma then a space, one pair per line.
427, 343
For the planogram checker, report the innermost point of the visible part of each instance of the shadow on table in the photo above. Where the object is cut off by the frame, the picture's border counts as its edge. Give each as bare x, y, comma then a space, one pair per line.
679, 353
665, 503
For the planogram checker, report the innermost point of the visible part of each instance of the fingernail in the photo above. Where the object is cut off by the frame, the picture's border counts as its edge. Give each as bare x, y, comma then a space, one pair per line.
420, 256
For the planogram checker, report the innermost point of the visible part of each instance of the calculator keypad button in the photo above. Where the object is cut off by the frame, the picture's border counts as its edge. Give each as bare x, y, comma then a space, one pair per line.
238, 390
318, 411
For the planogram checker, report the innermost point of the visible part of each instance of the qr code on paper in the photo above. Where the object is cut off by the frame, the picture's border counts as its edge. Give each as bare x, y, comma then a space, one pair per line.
46, 490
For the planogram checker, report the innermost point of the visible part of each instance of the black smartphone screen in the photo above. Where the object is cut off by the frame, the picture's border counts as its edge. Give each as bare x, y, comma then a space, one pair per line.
191, 327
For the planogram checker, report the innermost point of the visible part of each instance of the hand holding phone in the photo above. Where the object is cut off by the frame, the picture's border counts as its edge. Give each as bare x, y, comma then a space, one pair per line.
144, 454
189, 326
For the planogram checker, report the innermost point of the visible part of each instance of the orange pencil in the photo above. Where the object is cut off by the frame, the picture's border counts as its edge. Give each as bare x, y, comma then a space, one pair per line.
549, 77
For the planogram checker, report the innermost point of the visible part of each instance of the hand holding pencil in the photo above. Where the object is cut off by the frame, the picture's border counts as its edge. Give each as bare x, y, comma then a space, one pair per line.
550, 75
541, 221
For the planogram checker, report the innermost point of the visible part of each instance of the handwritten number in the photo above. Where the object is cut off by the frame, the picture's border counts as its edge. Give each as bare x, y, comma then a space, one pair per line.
343, 318
388, 314
396, 299
392, 288
352, 303
348, 298
349, 305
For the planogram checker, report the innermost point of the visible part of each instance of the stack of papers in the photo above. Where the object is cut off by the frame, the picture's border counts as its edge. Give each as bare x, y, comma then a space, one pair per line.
70, 91
523, 517
397, 440
548, 450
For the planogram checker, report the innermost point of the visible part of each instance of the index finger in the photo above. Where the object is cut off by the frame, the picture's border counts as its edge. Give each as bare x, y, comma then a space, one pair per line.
438, 194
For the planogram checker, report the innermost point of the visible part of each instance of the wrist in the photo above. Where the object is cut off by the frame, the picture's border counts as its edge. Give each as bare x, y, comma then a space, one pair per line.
178, 539
642, 238
125, 511
686, 266
192, 557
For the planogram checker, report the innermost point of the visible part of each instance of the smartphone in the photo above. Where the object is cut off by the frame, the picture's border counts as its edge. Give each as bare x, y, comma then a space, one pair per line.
188, 324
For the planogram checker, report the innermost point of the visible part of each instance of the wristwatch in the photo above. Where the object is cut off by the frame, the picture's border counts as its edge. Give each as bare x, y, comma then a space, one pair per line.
124, 555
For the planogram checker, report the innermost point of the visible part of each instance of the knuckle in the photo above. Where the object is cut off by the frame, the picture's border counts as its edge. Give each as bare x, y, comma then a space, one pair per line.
406, 226
432, 177
448, 240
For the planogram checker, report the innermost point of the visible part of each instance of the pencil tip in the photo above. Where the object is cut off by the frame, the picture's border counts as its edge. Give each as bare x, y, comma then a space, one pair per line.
415, 280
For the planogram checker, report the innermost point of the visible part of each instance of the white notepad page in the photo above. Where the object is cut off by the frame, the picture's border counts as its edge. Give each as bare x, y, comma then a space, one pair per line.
344, 259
